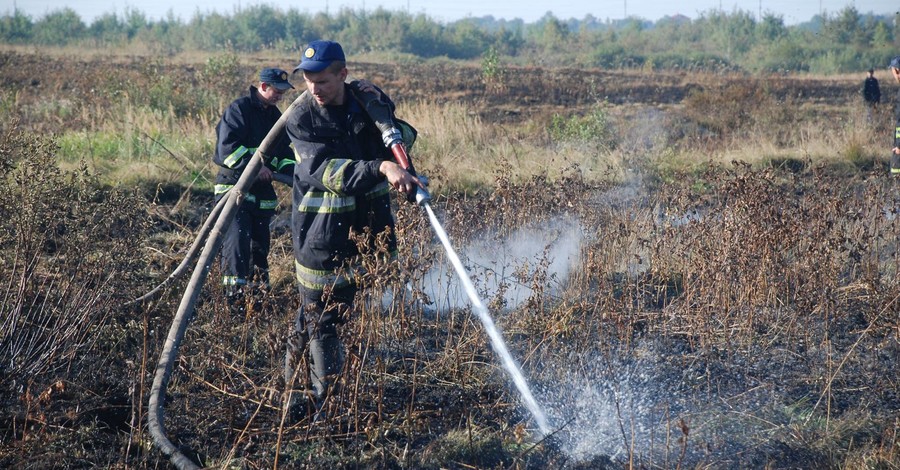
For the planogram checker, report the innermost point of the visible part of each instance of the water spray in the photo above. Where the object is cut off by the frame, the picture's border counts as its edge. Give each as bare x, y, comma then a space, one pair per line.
393, 139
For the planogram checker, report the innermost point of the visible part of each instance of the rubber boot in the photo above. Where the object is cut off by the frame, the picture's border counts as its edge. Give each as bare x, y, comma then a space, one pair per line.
327, 358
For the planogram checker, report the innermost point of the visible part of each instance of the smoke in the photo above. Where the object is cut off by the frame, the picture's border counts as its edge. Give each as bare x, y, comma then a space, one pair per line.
505, 269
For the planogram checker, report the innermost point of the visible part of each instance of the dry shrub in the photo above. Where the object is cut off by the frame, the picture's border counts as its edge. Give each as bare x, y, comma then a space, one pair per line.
72, 256
69, 257
735, 106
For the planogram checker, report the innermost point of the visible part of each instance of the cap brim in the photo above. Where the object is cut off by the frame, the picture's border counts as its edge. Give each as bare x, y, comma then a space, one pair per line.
313, 65
283, 86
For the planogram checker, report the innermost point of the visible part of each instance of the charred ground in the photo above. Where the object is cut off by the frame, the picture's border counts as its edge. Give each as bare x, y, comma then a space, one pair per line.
734, 317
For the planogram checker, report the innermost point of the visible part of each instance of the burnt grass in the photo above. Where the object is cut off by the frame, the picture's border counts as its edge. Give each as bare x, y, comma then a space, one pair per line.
742, 317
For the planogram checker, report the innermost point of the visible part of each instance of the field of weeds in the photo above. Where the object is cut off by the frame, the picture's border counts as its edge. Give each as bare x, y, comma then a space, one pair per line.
706, 278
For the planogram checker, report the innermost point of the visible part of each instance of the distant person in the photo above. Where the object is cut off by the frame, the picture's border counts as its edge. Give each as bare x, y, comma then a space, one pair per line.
871, 93
895, 151
245, 248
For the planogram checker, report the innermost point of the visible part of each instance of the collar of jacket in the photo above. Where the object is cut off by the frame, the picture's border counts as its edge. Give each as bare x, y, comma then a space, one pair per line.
254, 98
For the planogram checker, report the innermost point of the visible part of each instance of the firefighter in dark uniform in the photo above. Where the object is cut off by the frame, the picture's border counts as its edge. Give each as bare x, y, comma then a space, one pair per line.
895, 151
341, 186
245, 248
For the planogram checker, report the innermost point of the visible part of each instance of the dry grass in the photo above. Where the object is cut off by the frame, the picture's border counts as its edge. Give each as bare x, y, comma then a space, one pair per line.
672, 309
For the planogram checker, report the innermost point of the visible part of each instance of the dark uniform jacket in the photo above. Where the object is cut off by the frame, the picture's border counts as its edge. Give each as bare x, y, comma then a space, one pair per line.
338, 188
243, 127
871, 90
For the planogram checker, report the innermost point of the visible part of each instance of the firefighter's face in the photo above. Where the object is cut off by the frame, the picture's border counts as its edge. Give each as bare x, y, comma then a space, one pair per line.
896, 74
270, 94
327, 87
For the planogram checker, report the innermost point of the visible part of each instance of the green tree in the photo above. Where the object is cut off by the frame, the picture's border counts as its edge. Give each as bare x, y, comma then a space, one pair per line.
772, 28
423, 38
881, 38
845, 28
59, 28
107, 30
258, 26
16, 28
135, 22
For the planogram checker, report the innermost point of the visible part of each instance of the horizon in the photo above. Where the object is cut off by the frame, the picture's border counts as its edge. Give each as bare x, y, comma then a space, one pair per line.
528, 11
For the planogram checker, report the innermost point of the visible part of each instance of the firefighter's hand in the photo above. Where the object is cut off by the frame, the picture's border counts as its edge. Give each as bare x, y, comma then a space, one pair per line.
399, 178
366, 86
264, 175
895, 150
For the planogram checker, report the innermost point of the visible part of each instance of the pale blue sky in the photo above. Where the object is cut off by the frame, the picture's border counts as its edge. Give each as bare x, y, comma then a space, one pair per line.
793, 11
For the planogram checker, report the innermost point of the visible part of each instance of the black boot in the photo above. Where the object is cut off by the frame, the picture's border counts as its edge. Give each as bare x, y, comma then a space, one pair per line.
326, 359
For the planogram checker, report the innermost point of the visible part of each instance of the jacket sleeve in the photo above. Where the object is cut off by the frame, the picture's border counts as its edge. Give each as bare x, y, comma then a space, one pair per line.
231, 135
281, 159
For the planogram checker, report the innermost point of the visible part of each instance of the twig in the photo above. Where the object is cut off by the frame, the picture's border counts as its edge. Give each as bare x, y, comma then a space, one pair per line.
847, 356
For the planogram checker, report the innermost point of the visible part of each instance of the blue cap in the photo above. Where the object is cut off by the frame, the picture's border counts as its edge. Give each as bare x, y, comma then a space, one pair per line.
895, 62
276, 77
319, 55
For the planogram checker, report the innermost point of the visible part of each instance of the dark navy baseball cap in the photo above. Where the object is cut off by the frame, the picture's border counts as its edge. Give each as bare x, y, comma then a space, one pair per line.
276, 77
318, 55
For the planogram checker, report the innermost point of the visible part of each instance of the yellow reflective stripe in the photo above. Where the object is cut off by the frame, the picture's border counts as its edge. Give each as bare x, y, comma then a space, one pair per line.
318, 279
233, 281
895, 170
333, 178
379, 190
326, 203
263, 204
897, 133
235, 156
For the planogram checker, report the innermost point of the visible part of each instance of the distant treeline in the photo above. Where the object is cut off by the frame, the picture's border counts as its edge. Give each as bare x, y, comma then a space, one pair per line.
828, 43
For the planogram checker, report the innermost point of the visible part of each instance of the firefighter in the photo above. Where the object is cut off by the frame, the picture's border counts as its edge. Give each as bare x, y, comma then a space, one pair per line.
244, 125
895, 151
341, 186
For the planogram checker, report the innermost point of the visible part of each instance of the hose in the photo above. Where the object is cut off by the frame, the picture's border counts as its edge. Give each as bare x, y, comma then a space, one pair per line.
192, 291
198, 242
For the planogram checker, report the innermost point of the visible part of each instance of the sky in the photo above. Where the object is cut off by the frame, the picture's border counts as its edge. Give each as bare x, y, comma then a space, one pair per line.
792, 11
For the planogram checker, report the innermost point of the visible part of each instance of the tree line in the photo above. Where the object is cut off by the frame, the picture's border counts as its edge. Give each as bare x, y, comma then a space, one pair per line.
828, 43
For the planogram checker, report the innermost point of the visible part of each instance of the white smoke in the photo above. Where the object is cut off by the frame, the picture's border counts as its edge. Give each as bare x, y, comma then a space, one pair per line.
504, 265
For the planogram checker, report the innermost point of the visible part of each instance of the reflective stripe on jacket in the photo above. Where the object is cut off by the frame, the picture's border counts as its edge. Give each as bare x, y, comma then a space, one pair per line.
338, 190
243, 126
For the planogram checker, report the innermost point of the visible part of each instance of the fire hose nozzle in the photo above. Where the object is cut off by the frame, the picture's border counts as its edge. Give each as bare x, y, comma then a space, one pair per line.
422, 195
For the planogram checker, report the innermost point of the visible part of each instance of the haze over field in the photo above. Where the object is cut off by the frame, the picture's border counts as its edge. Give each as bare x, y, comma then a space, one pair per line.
527, 10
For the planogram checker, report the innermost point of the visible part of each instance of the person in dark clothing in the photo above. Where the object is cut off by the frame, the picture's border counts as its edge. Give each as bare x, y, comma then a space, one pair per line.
871, 90
895, 151
244, 125
871, 93
341, 187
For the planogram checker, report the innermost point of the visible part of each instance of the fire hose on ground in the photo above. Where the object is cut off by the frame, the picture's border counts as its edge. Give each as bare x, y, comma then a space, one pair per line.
215, 226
